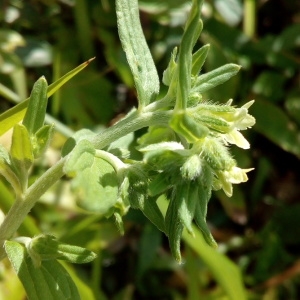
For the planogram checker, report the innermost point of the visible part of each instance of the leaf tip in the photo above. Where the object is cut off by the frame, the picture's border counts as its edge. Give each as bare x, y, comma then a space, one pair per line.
90, 60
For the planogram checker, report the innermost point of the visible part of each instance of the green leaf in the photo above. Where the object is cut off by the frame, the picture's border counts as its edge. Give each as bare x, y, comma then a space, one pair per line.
192, 31
174, 227
14, 115
292, 105
21, 153
157, 134
226, 273
169, 72
189, 198
205, 181
198, 59
186, 126
271, 85
159, 184
8, 172
273, 123
21, 148
122, 146
71, 142
96, 187
81, 157
165, 155
150, 209
213, 78
47, 247
50, 281
148, 244
134, 190
36, 111
42, 140
137, 51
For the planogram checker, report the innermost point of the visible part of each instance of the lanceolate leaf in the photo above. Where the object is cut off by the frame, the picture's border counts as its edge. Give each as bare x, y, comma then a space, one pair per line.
47, 247
230, 277
199, 59
137, 51
174, 228
50, 281
216, 77
190, 36
14, 115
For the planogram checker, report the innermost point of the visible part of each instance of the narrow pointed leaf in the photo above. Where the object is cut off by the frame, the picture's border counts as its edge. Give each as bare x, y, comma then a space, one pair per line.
169, 72
204, 194
50, 281
174, 228
137, 51
187, 208
198, 59
14, 115
152, 212
230, 278
216, 77
48, 247
192, 31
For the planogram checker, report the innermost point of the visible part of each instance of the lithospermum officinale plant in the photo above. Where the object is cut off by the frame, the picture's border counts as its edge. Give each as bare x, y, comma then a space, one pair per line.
185, 156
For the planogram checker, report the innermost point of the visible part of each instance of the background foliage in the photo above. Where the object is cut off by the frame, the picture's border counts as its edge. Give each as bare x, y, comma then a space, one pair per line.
258, 227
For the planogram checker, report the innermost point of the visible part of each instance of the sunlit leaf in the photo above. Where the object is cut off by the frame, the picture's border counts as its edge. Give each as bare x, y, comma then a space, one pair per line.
49, 281
216, 77
96, 187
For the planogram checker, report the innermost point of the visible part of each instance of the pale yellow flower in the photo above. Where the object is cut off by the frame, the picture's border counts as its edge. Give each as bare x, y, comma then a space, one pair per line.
225, 179
240, 120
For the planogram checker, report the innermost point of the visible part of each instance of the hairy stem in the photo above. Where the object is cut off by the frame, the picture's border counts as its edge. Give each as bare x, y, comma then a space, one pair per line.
22, 207
133, 122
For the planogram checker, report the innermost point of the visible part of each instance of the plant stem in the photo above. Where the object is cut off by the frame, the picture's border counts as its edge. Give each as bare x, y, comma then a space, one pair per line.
21, 208
133, 122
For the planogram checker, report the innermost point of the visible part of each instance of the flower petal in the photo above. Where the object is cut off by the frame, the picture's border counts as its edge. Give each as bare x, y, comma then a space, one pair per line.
235, 137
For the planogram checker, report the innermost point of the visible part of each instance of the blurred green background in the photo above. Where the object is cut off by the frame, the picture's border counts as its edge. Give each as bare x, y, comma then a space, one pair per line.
258, 227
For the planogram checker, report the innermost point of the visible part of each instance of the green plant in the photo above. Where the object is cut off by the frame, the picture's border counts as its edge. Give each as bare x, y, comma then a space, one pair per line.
185, 157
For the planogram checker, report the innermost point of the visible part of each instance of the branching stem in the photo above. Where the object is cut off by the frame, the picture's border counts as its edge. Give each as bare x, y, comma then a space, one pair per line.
20, 209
